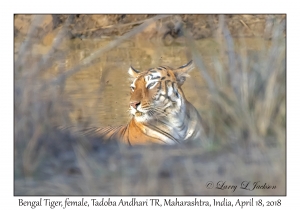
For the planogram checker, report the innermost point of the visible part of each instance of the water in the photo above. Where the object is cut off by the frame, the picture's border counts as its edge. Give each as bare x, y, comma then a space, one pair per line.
99, 94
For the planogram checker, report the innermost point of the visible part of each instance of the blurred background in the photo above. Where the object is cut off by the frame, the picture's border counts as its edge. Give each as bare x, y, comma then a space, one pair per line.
71, 71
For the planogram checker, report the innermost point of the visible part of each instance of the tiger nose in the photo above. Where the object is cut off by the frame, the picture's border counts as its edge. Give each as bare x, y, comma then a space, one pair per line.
135, 104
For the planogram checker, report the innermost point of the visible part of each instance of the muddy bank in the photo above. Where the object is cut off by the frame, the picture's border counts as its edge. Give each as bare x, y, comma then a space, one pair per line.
200, 26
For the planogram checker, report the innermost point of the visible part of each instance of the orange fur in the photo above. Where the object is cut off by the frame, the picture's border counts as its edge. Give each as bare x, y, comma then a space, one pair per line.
160, 112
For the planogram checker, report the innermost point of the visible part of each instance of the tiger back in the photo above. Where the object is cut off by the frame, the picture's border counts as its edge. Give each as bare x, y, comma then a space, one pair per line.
160, 112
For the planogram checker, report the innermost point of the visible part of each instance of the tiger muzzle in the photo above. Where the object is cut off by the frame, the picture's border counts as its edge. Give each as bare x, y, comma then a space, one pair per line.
135, 104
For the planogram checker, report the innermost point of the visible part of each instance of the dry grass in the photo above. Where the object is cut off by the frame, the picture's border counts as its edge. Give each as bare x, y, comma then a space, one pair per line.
245, 138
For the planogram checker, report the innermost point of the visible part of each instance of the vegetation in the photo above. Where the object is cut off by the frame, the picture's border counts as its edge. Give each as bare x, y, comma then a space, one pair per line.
245, 120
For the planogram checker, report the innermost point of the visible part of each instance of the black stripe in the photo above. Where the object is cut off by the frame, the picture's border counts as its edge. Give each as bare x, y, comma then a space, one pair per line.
175, 90
135, 70
181, 127
126, 129
166, 85
173, 85
157, 77
186, 64
164, 133
159, 87
163, 78
148, 135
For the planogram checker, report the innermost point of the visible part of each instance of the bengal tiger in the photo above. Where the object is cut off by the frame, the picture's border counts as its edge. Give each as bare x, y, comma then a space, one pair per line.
160, 112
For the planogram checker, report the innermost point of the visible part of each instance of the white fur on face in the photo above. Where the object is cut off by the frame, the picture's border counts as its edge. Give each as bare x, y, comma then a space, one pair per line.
169, 100
152, 79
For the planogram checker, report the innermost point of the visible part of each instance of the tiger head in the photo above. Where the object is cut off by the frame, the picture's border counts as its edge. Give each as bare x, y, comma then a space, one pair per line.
156, 93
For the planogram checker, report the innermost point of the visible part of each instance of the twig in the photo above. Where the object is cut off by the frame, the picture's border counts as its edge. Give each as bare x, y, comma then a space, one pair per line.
114, 26
247, 27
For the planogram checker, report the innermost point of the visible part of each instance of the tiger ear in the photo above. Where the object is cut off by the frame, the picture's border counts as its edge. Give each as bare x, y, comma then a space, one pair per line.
133, 72
182, 72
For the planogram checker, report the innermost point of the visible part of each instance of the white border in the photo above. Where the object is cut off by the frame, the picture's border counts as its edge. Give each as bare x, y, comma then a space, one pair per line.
153, 6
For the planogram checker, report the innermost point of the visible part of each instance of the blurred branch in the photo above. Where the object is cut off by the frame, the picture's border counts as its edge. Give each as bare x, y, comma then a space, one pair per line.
87, 61
44, 62
23, 52
198, 61
232, 58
